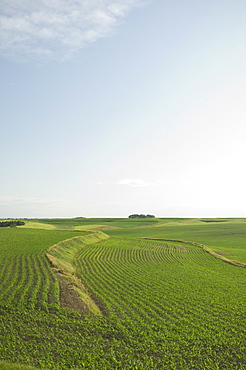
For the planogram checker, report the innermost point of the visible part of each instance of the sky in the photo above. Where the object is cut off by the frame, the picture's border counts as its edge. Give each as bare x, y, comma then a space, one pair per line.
114, 107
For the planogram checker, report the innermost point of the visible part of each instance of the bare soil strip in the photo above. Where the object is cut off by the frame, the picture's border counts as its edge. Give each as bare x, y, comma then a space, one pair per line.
73, 293
69, 297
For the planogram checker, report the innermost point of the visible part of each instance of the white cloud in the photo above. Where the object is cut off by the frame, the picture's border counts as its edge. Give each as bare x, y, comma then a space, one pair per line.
57, 28
30, 202
135, 182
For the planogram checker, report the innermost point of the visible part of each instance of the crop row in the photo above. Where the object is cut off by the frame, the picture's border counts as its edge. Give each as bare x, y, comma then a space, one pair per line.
171, 289
169, 306
26, 278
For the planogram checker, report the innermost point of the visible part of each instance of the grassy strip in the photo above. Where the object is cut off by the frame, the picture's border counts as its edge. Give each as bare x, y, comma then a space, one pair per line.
9, 366
38, 225
62, 255
204, 247
171, 306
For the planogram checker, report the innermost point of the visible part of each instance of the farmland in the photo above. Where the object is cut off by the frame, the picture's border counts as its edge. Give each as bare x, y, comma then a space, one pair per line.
153, 297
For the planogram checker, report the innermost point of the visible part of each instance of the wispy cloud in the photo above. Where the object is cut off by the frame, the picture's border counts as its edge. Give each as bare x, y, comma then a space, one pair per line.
135, 182
30, 202
57, 28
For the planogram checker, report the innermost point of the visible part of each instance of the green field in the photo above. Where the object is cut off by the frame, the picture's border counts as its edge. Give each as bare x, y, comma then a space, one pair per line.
144, 294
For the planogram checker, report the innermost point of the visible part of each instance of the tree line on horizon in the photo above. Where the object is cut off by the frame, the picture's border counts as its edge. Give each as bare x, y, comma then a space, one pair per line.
11, 223
136, 215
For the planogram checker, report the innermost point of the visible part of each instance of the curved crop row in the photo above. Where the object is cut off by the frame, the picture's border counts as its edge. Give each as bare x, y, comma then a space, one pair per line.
168, 304
173, 287
26, 278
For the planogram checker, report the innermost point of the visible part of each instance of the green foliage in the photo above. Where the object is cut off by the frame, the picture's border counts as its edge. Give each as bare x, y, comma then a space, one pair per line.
65, 251
11, 223
167, 304
227, 237
62, 256
26, 278
9, 366
135, 215
77, 223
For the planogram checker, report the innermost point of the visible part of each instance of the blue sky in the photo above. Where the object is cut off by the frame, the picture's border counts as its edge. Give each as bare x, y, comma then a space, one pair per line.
116, 107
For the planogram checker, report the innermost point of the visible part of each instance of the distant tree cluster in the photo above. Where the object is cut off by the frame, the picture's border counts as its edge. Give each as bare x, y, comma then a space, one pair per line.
141, 216
11, 223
